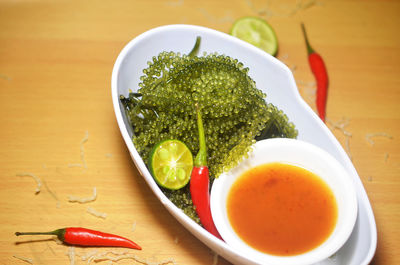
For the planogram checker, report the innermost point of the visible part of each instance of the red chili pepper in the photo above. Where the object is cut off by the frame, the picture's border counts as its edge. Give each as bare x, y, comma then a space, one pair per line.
87, 237
200, 182
318, 68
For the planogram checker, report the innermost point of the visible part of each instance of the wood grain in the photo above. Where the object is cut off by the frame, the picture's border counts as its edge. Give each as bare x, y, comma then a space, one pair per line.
56, 59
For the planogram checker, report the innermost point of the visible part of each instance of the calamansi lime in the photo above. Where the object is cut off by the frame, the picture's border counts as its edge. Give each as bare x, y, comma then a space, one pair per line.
171, 164
257, 32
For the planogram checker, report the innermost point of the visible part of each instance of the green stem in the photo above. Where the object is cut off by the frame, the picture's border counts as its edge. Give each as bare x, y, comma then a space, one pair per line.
196, 47
309, 48
201, 157
59, 233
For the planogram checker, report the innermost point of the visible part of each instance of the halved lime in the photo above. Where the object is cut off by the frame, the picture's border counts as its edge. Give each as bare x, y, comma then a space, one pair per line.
257, 32
171, 164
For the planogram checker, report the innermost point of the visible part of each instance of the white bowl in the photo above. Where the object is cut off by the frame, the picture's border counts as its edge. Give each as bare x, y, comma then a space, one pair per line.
307, 156
273, 78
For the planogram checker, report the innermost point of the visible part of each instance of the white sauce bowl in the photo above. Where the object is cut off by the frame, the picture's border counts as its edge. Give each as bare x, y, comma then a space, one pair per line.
307, 156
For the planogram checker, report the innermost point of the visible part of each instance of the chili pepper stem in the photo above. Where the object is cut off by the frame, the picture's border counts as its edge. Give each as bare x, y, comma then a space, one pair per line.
309, 48
59, 233
201, 157
195, 49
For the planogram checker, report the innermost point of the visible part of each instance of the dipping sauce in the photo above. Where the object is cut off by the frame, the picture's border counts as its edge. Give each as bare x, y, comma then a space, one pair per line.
281, 209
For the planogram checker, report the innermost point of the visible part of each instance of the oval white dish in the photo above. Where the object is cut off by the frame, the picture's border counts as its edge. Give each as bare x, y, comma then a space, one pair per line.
304, 155
277, 81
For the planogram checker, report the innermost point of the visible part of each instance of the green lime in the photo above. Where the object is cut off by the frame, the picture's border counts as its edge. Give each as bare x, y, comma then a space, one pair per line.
257, 32
171, 164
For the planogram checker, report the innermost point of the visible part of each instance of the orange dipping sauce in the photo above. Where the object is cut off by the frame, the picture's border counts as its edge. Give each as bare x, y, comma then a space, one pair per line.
281, 209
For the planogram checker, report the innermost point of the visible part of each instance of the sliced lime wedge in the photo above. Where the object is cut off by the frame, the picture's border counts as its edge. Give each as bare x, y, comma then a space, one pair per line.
171, 164
256, 31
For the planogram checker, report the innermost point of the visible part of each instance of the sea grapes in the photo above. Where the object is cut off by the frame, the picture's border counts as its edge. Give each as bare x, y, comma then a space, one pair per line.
235, 113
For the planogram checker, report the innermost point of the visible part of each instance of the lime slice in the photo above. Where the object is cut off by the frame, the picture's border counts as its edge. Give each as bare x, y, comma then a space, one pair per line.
257, 32
171, 164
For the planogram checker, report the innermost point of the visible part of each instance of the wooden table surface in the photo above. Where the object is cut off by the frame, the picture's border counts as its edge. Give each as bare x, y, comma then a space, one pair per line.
56, 59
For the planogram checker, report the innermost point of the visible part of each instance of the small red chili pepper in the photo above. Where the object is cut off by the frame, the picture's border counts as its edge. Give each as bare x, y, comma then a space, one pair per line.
86, 237
318, 68
200, 182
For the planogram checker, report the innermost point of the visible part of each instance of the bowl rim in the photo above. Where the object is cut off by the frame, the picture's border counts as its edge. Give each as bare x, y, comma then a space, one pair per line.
305, 155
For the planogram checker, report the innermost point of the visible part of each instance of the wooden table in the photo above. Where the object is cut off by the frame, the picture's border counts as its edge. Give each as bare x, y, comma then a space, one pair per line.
56, 59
